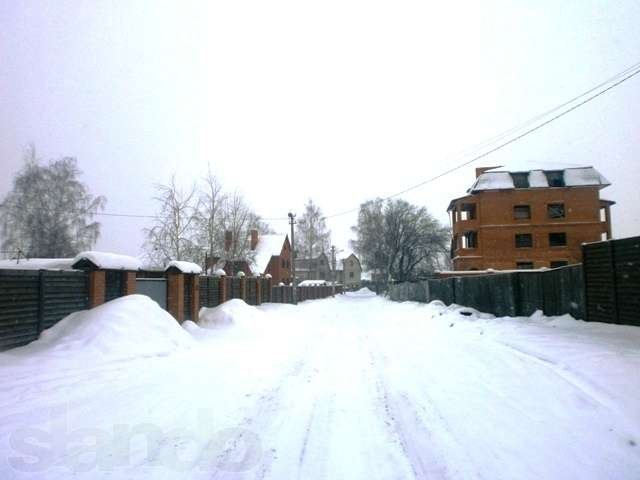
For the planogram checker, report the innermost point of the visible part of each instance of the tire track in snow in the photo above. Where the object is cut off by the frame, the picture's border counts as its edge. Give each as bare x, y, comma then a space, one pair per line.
423, 446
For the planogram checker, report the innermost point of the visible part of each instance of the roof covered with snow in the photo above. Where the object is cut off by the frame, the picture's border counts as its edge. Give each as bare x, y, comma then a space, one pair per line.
37, 264
312, 283
184, 267
500, 178
109, 261
268, 246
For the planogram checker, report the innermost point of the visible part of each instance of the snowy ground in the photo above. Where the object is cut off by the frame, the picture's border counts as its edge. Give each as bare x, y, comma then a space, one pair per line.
354, 387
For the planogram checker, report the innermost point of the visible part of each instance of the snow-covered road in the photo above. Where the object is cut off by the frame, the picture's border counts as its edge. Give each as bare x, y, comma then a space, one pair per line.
348, 388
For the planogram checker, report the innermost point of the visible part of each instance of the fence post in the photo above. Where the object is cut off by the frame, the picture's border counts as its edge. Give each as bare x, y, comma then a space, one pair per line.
41, 296
243, 289
222, 289
97, 284
270, 287
175, 294
195, 297
129, 283
258, 290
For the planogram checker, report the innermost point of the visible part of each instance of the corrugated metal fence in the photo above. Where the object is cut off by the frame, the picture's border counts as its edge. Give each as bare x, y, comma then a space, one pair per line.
612, 281
31, 301
605, 288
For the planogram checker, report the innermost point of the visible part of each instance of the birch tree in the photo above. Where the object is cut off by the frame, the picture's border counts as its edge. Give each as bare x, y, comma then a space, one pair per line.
312, 235
49, 212
173, 235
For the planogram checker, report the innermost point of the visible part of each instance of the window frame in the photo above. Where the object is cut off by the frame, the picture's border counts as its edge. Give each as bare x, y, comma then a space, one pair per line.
557, 245
550, 205
521, 205
523, 235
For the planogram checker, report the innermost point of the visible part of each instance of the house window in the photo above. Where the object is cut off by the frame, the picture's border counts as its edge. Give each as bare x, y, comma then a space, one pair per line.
522, 212
520, 180
283, 263
470, 240
524, 265
555, 210
524, 240
350, 274
468, 211
557, 239
558, 263
351, 263
555, 178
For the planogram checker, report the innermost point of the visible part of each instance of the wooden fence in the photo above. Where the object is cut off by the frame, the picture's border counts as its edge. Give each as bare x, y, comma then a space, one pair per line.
605, 288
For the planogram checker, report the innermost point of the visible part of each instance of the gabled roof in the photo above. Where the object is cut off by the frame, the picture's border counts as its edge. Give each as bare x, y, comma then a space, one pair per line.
268, 246
500, 178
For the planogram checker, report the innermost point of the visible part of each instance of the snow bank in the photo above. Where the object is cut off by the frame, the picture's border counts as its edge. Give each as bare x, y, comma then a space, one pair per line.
233, 311
363, 292
109, 261
184, 267
124, 328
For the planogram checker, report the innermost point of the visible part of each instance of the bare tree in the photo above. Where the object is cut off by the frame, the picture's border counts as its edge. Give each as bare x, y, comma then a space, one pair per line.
312, 235
172, 237
399, 240
49, 212
210, 216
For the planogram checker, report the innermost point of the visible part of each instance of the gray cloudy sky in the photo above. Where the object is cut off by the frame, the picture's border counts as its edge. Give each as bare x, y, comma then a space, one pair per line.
340, 101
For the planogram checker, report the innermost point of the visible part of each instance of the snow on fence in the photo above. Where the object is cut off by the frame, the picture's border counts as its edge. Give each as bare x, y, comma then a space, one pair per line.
605, 288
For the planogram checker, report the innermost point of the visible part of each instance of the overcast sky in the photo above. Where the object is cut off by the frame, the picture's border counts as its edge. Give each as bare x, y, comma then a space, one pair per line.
339, 101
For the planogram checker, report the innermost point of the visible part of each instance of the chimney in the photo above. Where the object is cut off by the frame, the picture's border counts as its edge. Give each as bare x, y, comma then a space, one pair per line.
254, 239
481, 170
228, 238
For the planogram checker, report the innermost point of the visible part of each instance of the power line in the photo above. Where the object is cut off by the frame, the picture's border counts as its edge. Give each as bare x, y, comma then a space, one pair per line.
517, 137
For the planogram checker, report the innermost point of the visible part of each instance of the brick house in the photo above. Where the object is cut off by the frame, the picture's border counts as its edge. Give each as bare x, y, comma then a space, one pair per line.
272, 256
528, 219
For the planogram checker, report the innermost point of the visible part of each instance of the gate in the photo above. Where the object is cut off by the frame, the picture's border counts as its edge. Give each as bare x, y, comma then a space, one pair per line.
154, 288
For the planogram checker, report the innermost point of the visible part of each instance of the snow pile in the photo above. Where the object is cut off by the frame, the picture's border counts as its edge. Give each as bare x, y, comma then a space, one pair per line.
468, 312
125, 328
38, 264
234, 311
363, 292
184, 267
109, 261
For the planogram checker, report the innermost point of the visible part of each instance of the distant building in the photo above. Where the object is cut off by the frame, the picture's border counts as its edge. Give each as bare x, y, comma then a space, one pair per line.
349, 271
313, 268
528, 219
271, 254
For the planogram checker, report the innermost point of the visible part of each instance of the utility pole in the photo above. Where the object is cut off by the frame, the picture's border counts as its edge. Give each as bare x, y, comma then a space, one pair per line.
292, 222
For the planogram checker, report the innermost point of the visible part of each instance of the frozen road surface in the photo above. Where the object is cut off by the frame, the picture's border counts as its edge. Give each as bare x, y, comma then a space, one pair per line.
354, 387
